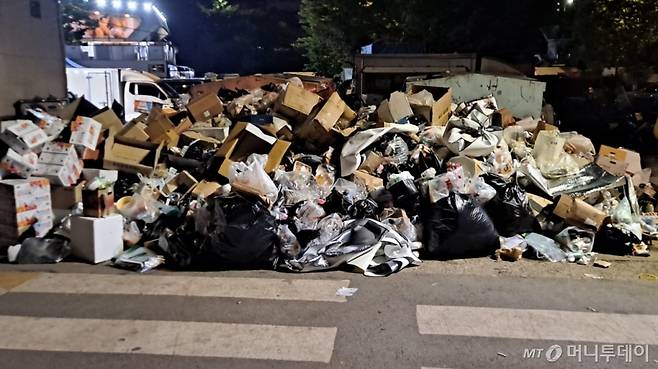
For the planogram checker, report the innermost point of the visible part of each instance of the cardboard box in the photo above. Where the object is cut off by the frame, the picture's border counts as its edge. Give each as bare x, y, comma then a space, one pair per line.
205, 107
23, 136
399, 106
246, 139
20, 165
441, 111
98, 203
59, 163
131, 156
183, 183
619, 162
421, 103
372, 183
66, 197
108, 175
24, 203
97, 239
157, 126
108, 120
578, 212
85, 132
134, 131
296, 103
206, 189
331, 112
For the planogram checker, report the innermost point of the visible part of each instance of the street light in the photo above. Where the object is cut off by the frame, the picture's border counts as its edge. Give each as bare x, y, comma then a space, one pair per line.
116, 4
101, 3
148, 6
132, 5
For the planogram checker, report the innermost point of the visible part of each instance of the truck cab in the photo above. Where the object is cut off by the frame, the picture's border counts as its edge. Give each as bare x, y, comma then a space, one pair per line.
138, 92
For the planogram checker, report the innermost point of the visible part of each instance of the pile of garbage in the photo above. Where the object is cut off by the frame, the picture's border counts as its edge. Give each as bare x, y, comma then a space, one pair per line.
281, 177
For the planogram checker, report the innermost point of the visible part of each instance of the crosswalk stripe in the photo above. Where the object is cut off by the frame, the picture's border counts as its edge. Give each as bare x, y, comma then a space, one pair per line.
254, 288
196, 339
537, 324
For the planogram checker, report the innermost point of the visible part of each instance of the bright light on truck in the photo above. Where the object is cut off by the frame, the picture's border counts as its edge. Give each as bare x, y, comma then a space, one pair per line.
132, 5
116, 4
148, 6
101, 3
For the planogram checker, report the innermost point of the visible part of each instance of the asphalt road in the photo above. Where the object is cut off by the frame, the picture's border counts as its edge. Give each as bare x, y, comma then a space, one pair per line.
73, 316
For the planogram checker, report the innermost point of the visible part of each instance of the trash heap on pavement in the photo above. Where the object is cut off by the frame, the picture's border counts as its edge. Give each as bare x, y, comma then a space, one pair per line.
280, 177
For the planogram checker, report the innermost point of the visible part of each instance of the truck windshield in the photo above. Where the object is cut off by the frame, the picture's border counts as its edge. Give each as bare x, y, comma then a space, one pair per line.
168, 89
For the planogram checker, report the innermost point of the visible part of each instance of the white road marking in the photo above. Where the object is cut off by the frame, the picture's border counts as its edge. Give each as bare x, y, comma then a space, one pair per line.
2, 291
537, 324
254, 288
244, 341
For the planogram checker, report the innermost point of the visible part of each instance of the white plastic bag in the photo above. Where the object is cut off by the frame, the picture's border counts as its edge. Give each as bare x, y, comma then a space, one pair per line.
251, 177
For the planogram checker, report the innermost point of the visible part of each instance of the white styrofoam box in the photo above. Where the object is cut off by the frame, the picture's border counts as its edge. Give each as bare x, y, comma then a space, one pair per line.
97, 239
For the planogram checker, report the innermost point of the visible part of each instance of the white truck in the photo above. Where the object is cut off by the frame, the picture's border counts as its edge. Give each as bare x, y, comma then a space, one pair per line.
138, 92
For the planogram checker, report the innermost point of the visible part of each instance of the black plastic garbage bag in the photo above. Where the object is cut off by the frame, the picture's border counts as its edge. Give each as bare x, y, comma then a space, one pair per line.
458, 227
615, 241
242, 234
510, 208
406, 196
43, 250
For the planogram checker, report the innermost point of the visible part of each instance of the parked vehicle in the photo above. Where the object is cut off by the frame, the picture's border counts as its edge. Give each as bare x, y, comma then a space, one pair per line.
138, 92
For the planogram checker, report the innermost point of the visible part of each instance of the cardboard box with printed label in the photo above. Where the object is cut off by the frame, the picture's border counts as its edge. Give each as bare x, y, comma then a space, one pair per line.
98, 203
66, 197
85, 132
246, 139
59, 163
20, 165
205, 107
24, 203
23, 136
97, 239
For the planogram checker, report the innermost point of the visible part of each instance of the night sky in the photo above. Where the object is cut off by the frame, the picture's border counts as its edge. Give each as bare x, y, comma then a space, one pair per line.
256, 43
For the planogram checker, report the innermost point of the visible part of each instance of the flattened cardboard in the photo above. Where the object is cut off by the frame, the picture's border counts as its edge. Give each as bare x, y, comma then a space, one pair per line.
620, 161
131, 156
296, 102
205, 107
578, 212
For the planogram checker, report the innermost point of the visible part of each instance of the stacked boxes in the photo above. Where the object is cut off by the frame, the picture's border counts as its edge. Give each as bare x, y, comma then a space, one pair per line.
24, 203
59, 163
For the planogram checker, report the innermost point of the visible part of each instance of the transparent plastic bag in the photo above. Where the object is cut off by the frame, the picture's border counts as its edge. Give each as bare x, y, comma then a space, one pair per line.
550, 157
298, 186
397, 151
140, 206
308, 215
251, 176
131, 233
350, 190
288, 244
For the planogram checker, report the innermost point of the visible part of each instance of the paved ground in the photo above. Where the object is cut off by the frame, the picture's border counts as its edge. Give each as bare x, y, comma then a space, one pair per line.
459, 314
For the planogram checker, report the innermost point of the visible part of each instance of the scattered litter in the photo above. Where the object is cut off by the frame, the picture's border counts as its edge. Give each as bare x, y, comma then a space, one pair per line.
594, 310
648, 277
346, 291
602, 264
502, 354
592, 276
